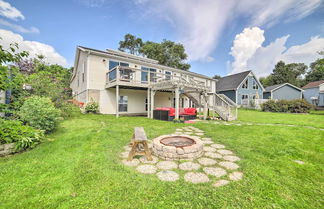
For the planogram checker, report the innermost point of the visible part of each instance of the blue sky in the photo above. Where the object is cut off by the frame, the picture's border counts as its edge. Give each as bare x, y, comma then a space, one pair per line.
219, 38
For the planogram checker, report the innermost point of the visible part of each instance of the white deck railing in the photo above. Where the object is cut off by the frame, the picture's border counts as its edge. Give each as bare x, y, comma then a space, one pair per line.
140, 77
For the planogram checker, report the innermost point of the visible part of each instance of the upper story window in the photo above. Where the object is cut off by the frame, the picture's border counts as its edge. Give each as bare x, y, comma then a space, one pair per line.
153, 77
255, 85
245, 84
144, 74
167, 75
113, 64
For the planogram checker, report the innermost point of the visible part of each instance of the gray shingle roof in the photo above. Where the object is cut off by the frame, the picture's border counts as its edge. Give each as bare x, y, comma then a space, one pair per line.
270, 88
231, 82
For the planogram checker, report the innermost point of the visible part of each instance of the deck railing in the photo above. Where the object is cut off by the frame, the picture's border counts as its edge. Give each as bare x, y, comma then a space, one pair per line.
133, 76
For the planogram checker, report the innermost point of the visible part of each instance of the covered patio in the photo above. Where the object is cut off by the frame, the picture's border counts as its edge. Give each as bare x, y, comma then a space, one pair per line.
193, 90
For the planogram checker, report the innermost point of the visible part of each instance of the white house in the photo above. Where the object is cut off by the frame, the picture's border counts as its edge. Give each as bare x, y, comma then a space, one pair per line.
123, 83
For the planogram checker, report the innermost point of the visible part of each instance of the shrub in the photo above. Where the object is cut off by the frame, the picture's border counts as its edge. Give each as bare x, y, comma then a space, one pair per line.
68, 109
92, 107
270, 106
300, 106
40, 113
292, 106
12, 131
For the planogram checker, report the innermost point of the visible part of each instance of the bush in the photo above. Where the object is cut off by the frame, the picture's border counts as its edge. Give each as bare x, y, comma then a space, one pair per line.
40, 113
92, 107
68, 109
12, 131
292, 106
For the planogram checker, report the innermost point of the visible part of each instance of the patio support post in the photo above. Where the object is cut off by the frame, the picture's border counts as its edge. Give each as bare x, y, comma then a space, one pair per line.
148, 103
117, 101
205, 106
199, 105
213, 106
152, 103
177, 103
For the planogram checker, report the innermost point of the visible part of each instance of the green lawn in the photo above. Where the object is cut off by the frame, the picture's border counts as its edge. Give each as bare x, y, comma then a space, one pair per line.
79, 167
315, 119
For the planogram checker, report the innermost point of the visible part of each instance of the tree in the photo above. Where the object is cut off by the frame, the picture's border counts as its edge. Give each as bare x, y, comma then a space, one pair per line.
10, 55
167, 53
265, 81
287, 73
131, 44
216, 77
316, 72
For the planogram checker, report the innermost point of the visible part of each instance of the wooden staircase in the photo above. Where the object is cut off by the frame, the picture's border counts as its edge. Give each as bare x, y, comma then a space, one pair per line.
221, 104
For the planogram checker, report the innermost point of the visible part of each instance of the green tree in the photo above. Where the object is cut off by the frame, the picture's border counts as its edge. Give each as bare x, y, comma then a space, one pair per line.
288, 73
167, 53
216, 77
266, 81
11, 55
316, 72
130, 44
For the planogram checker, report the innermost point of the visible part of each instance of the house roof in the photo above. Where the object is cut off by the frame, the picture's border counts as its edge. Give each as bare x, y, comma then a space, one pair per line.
231, 82
277, 86
313, 84
143, 60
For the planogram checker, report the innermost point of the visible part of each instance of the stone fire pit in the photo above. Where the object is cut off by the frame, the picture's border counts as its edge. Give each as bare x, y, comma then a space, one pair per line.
177, 147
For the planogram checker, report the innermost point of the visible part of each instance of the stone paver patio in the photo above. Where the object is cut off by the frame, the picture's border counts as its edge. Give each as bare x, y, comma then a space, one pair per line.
215, 167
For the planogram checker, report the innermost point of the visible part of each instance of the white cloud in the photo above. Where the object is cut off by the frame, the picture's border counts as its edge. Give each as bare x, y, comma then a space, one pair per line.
244, 46
33, 47
261, 59
265, 58
199, 24
19, 28
8, 11
271, 11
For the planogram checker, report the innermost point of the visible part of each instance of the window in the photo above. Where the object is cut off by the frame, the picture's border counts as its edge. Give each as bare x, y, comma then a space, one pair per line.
167, 75
144, 74
255, 85
123, 64
83, 70
254, 96
123, 103
182, 102
245, 84
245, 96
153, 75
113, 64
112, 75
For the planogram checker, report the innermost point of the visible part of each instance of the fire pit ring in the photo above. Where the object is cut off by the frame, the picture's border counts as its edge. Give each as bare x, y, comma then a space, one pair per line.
177, 147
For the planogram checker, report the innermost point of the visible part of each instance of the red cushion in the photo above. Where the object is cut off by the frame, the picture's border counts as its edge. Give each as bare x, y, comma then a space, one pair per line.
190, 111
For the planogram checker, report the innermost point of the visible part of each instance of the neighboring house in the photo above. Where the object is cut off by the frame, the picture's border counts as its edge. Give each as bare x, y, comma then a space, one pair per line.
123, 83
240, 86
285, 91
314, 93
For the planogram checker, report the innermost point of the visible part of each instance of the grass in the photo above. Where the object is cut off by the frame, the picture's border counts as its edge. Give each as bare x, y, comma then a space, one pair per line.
79, 167
315, 118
